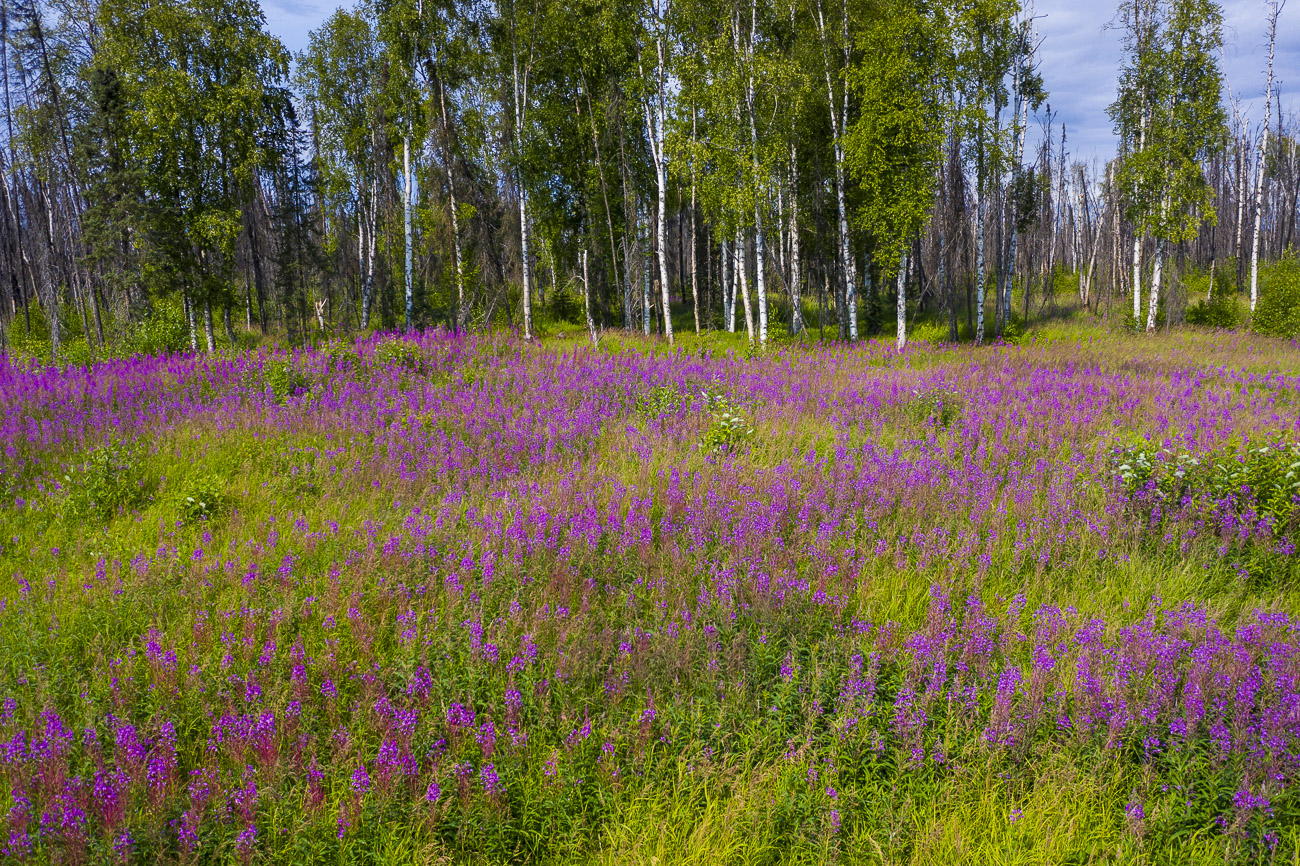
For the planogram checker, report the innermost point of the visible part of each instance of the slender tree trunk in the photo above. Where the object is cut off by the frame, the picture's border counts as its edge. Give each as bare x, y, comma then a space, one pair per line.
406, 225
728, 288
742, 276
902, 302
695, 269
586, 301
1137, 277
520, 94
979, 270
1263, 155
609, 216
1157, 271
796, 302
189, 318
645, 275
839, 119
661, 228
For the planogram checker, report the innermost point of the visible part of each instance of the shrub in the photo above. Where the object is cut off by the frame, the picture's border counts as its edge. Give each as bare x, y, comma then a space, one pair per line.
339, 357
398, 354
280, 376
1220, 309
1014, 330
1277, 314
164, 331
1264, 480
726, 434
929, 331
110, 480
563, 306
662, 400
728, 430
935, 405
204, 498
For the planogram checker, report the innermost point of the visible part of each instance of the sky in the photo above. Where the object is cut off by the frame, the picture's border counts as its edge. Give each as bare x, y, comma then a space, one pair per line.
1080, 55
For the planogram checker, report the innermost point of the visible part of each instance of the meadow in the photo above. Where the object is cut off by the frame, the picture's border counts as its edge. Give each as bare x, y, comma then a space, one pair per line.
437, 599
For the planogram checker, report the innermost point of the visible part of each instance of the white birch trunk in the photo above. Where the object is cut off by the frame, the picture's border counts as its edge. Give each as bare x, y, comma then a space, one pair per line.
838, 121
902, 302
406, 226
208, 334
742, 277
645, 276
520, 94
1263, 155
586, 302
796, 320
654, 119
694, 245
1137, 278
1157, 271
461, 313
189, 317
727, 266
1080, 213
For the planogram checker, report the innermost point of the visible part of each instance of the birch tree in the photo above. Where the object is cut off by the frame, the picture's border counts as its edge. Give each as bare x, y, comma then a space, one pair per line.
1169, 103
895, 146
1274, 7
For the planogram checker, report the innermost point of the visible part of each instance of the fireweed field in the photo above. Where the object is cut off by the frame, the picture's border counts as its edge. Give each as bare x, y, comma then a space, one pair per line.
448, 599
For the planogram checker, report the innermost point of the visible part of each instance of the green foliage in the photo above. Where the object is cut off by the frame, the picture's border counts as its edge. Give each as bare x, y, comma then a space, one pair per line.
726, 434
340, 357
564, 306
1277, 314
1169, 114
1014, 330
1220, 310
112, 479
199, 105
929, 331
728, 430
398, 354
163, 331
662, 400
204, 498
1264, 479
895, 146
937, 406
281, 376
1026, 193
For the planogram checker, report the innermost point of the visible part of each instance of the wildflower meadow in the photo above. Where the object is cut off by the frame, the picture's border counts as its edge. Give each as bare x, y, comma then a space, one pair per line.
471, 599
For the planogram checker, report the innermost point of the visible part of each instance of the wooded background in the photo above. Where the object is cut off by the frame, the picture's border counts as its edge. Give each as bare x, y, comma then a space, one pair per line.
172, 179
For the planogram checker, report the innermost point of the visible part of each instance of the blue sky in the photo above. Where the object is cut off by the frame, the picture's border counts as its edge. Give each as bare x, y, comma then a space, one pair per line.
1080, 55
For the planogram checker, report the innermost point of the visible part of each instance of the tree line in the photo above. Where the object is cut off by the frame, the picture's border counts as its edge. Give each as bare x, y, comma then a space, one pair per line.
170, 173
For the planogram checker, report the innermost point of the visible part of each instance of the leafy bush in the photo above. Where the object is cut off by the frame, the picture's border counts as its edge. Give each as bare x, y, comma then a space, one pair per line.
935, 405
1264, 480
929, 331
398, 354
204, 498
164, 331
1277, 313
281, 376
726, 434
563, 306
1220, 309
728, 429
662, 400
339, 357
111, 479
1014, 330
